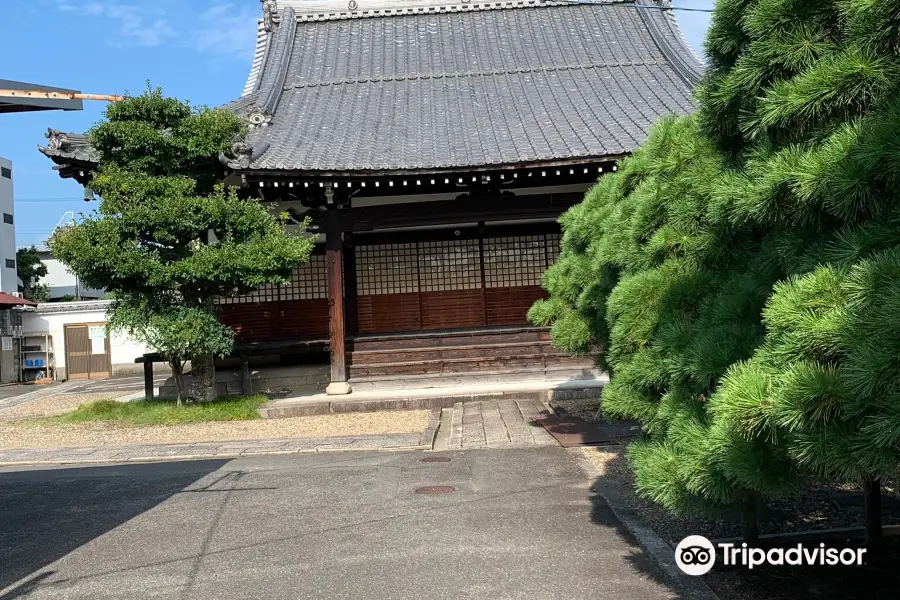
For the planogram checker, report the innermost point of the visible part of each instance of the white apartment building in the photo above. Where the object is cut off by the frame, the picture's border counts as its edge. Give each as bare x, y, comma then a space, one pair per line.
63, 282
9, 282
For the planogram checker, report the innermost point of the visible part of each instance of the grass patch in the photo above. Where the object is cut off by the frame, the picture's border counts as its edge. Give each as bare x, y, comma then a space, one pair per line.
164, 412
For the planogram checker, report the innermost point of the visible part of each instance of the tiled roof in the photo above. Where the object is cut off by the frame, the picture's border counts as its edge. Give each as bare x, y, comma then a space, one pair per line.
426, 86
457, 89
8, 300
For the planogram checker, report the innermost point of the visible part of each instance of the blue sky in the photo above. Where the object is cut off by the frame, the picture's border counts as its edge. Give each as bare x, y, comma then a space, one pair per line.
195, 49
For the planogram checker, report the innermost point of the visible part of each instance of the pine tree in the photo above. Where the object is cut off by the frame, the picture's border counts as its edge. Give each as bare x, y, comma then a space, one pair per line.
739, 274
168, 238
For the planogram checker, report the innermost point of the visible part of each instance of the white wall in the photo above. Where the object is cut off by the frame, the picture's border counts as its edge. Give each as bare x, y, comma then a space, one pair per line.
62, 282
52, 318
9, 282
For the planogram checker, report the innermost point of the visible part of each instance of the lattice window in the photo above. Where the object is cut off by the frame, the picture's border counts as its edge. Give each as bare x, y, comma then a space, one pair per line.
515, 261
387, 269
449, 265
553, 249
307, 282
266, 293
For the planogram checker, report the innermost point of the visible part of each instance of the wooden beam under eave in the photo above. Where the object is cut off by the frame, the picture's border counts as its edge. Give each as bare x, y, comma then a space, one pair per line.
472, 210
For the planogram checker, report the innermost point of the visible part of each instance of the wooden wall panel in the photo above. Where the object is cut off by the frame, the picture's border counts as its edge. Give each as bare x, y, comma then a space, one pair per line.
251, 321
285, 320
388, 313
303, 319
432, 283
509, 305
454, 308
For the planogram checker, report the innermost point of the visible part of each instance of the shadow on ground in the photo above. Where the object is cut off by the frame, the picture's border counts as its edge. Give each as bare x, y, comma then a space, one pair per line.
41, 522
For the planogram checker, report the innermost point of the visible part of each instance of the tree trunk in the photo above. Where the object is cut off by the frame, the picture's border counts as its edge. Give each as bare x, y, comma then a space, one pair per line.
203, 380
178, 373
749, 521
872, 490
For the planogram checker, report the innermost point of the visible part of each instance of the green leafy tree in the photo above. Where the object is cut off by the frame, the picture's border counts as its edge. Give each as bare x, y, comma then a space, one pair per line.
40, 293
176, 334
738, 275
167, 238
29, 269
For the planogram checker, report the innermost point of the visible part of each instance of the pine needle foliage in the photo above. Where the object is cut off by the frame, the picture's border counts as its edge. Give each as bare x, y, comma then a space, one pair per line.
739, 276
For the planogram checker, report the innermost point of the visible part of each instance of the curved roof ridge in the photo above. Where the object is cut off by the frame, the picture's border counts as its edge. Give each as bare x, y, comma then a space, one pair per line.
259, 57
673, 23
670, 40
278, 64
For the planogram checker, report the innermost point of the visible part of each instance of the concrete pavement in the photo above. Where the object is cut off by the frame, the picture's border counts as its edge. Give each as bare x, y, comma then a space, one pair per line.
521, 523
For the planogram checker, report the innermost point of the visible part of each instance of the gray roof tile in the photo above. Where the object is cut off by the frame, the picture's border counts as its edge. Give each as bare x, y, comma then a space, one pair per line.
462, 89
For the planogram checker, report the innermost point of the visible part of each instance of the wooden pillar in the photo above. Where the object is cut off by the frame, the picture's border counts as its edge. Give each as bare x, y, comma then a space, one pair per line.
334, 259
484, 316
246, 383
351, 308
148, 378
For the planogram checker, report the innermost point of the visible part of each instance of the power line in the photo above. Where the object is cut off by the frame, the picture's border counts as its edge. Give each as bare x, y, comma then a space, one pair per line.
46, 200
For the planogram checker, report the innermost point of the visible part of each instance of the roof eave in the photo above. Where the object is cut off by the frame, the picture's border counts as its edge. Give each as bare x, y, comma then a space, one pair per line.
257, 173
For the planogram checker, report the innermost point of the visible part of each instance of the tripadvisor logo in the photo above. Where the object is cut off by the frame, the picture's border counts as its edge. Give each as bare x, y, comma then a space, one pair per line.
696, 555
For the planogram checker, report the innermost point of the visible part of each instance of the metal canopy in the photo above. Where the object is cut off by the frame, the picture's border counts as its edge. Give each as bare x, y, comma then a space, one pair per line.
15, 104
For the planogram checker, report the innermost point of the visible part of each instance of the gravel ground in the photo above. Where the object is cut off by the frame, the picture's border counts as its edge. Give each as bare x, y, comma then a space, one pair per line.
583, 408
25, 434
51, 405
813, 508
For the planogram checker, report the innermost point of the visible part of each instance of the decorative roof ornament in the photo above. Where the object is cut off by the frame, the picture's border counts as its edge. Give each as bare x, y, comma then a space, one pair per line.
242, 154
58, 140
270, 9
258, 117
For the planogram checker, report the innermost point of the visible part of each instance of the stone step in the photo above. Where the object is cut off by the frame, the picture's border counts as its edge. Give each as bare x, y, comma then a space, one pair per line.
436, 339
440, 380
475, 364
371, 357
431, 398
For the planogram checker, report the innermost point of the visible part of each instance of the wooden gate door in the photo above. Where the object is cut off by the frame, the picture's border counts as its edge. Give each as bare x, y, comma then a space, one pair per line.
87, 354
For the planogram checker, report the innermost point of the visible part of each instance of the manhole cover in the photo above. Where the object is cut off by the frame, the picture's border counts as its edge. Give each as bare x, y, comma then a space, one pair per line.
436, 459
433, 490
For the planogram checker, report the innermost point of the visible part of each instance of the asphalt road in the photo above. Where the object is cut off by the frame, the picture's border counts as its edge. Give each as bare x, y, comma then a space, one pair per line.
521, 524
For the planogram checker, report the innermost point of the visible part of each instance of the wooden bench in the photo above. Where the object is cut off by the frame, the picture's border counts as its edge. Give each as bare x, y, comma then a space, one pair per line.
242, 351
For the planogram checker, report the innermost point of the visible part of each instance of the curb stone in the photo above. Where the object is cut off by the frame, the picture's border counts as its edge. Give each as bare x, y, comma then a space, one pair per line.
182, 457
434, 422
693, 588
209, 450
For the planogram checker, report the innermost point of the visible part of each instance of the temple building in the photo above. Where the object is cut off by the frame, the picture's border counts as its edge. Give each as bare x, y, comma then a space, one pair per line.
434, 145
